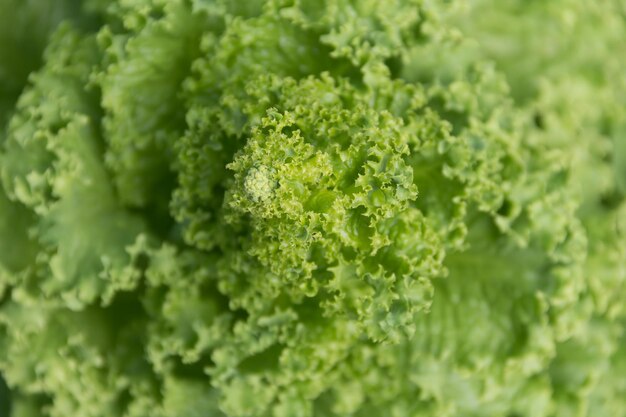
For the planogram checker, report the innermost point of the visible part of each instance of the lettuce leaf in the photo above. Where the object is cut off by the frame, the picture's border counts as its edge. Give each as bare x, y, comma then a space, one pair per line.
312, 208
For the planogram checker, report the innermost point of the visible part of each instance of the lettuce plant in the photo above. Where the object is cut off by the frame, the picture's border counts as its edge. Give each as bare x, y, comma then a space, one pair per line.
312, 208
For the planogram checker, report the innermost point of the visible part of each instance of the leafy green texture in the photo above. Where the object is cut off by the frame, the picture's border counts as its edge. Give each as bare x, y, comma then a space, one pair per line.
299, 208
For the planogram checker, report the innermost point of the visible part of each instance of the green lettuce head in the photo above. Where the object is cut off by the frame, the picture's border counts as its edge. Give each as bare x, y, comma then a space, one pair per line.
312, 208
